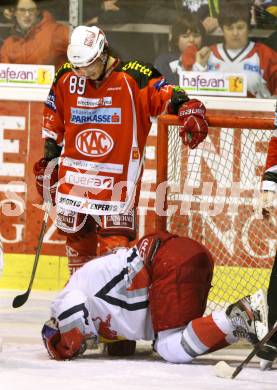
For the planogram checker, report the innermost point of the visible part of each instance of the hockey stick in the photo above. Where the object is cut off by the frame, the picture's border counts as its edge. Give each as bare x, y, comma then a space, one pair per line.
223, 370
19, 300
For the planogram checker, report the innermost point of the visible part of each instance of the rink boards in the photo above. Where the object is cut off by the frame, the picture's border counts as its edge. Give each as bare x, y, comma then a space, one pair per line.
52, 274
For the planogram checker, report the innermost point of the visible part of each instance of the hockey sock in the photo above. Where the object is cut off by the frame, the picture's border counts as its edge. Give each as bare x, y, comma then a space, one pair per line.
208, 334
203, 335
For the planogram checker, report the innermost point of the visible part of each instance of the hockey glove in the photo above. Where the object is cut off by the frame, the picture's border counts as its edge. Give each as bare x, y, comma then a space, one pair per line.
266, 203
195, 126
46, 176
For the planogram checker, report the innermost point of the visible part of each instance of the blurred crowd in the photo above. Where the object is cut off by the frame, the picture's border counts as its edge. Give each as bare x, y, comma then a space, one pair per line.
204, 35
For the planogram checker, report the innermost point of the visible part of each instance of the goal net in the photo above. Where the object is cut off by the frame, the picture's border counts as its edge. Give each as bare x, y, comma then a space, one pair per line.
212, 193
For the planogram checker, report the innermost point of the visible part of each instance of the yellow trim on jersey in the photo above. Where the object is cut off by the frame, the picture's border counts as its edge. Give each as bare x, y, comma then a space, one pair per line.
135, 65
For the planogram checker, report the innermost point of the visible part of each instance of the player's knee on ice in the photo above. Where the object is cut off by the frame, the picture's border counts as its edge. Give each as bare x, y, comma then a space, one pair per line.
169, 346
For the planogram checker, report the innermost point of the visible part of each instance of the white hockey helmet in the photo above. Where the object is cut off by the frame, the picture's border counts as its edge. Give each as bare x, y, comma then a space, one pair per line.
86, 45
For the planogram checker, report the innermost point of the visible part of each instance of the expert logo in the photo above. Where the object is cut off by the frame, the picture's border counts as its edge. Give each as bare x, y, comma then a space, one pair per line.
94, 143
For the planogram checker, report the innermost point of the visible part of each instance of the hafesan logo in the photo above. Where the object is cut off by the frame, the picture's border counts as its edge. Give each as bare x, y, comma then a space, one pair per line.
94, 142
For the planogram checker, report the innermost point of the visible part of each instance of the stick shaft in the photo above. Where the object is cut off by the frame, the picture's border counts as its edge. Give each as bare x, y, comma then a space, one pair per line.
255, 350
19, 300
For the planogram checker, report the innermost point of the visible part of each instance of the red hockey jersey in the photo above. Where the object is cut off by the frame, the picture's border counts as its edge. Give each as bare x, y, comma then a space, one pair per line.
102, 129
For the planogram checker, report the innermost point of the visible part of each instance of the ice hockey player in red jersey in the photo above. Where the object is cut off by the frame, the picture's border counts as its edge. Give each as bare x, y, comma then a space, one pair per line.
156, 290
96, 121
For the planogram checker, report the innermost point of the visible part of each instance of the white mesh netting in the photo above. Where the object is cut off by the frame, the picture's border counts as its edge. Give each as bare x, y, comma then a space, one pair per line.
213, 197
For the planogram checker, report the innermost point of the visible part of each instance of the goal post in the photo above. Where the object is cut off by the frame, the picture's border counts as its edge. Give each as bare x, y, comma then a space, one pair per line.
211, 193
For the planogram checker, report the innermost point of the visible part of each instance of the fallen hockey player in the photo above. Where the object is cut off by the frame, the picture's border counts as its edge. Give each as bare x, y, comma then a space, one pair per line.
157, 291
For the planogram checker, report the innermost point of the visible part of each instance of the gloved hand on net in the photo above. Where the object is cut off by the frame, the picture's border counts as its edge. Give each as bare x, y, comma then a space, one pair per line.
266, 206
195, 127
46, 176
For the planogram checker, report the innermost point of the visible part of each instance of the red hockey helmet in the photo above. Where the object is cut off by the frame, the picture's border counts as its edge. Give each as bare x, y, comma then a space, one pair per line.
51, 336
62, 346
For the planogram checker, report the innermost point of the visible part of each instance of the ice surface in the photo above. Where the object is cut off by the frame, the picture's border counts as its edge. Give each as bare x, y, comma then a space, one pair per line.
24, 363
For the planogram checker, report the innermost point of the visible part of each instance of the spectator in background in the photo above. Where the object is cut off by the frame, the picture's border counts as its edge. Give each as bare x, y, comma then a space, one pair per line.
238, 54
36, 37
4, 5
4, 30
187, 38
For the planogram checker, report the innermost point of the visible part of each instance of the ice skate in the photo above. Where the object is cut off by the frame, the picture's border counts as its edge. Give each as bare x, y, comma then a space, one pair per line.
249, 317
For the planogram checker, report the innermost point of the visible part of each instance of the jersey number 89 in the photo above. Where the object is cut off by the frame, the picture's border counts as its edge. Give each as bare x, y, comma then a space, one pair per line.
77, 85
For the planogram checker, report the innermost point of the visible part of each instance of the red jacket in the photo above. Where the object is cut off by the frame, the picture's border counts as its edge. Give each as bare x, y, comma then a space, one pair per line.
45, 44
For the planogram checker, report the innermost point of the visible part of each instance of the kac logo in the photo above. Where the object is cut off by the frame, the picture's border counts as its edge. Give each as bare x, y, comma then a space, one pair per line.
94, 143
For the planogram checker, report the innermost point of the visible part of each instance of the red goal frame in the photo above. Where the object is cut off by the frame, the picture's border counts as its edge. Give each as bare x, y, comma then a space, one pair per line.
215, 118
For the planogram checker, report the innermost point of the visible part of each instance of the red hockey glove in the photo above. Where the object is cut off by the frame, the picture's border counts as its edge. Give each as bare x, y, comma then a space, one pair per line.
46, 179
195, 127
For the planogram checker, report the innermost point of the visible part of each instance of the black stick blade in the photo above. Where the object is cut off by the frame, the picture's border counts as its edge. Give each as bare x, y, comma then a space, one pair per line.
19, 300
